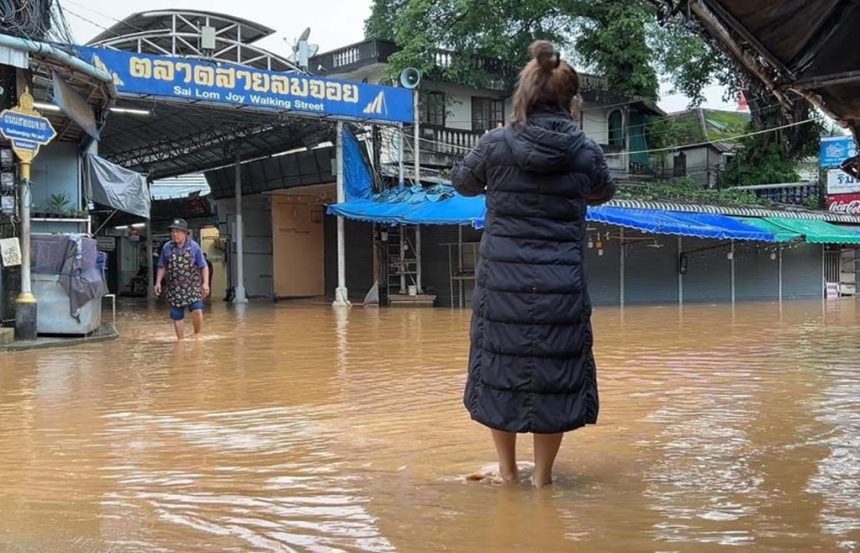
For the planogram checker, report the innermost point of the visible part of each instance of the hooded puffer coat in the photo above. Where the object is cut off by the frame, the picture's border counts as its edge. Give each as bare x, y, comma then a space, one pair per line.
531, 367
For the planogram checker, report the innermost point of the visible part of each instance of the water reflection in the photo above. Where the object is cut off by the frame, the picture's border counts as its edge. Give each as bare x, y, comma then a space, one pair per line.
301, 428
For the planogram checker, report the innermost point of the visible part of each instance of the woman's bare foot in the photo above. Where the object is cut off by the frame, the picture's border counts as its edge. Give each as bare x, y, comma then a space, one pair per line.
491, 474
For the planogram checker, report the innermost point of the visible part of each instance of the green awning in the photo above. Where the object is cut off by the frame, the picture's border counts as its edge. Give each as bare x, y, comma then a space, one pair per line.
817, 232
780, 233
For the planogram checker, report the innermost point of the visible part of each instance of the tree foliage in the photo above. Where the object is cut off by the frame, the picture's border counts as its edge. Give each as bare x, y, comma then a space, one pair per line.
606, 36
619, 39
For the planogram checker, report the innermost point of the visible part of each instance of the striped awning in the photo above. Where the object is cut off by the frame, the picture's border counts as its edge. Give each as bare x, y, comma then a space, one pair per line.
741, 211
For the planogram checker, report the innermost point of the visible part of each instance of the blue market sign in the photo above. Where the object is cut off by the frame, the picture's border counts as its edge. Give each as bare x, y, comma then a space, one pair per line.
25, 128
196, 80
835, 150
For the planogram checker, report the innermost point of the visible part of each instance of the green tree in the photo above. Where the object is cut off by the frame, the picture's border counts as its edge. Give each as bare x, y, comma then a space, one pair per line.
608, 37
624, 40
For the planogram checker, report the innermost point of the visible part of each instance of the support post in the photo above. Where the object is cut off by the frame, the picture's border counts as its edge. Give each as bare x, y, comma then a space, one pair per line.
403, 265
460, 284
26, 308
680, 276
417, 146
341, 294
239, 295
733, 272
401, 172
418, 284
780, 274
150, 278
621, 279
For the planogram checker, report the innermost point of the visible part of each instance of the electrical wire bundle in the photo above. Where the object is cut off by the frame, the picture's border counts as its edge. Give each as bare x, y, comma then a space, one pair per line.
35, 19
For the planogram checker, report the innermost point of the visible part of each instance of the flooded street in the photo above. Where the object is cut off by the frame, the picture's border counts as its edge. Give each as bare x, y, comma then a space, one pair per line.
293, 427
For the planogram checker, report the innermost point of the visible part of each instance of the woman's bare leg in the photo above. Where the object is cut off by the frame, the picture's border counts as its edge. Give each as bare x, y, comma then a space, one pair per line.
506, 448
546, 448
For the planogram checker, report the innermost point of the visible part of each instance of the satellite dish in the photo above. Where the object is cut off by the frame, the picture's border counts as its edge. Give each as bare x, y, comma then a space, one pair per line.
305, 34
410, 77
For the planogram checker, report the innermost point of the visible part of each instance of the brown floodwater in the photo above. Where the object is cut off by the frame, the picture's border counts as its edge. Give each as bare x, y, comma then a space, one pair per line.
292, 427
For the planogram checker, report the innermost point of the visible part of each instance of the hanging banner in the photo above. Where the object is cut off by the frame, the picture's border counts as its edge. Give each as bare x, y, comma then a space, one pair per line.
196, 80
840, 182
844, 203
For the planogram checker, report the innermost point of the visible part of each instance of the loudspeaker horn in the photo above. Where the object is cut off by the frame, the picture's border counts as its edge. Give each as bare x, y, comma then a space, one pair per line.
410, 77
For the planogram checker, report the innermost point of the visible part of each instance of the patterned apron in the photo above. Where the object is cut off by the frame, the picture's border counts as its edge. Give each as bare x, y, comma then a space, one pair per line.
183, 279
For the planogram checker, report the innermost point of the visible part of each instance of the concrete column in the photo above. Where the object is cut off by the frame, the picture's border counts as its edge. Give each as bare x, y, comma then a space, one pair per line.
239, 295
341, 295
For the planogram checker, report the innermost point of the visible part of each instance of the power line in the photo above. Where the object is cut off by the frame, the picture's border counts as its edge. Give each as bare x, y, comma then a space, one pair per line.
709, 142
666, 149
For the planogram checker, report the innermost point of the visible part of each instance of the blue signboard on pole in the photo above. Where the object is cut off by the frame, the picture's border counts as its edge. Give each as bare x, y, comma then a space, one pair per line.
26, 130
195, 80
835, 150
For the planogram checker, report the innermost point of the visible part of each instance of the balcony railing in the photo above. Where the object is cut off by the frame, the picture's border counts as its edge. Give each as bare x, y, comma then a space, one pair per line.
354, 56
500, 75
800, 193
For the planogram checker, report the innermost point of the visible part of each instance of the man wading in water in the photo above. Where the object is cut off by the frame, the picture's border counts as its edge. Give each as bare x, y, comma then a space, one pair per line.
187, 278
531, 368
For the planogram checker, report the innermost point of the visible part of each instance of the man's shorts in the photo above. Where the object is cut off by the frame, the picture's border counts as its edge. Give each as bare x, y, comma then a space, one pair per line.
178, 313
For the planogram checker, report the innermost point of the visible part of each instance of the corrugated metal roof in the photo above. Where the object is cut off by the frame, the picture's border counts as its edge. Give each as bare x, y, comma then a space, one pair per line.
179, 187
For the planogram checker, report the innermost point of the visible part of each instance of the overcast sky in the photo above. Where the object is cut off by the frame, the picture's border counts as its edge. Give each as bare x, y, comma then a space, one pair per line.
333, 23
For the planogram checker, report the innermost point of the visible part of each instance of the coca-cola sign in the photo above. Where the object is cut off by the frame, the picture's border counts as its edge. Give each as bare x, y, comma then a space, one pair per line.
844, 203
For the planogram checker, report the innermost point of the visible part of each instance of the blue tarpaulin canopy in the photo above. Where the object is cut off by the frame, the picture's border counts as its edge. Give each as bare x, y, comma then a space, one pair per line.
442, 205
698, 225
438, 205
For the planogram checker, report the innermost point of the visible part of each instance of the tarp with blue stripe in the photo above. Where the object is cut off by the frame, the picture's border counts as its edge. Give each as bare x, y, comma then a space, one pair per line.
436, 205
442, 205
697, 225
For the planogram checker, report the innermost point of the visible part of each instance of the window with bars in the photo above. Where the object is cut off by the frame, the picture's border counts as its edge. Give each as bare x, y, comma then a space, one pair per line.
432, 108
616, 128
487, 113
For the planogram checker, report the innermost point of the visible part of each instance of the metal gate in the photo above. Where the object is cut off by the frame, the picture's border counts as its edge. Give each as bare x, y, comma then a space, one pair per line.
832, 266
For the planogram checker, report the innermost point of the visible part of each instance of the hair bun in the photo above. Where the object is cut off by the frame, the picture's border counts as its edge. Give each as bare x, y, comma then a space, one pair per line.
544, 53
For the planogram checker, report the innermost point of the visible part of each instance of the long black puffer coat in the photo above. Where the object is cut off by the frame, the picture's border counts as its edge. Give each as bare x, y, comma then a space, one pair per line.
531, 367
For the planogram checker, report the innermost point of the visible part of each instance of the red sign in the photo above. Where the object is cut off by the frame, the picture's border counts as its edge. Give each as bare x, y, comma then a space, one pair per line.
844, 203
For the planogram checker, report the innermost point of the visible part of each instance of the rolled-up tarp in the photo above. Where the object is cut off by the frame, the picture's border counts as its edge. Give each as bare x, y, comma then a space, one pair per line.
117, 187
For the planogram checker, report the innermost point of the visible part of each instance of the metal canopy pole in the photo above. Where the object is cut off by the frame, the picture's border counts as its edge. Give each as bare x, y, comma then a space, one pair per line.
403, 259
418, 285
680, 275
416, 150
733, 272
239, 295
400, 174
621, 240
150, 284
780, 274
341, 295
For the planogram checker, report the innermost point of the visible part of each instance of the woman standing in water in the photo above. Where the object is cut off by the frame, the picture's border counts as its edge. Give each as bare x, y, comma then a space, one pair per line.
531, 367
